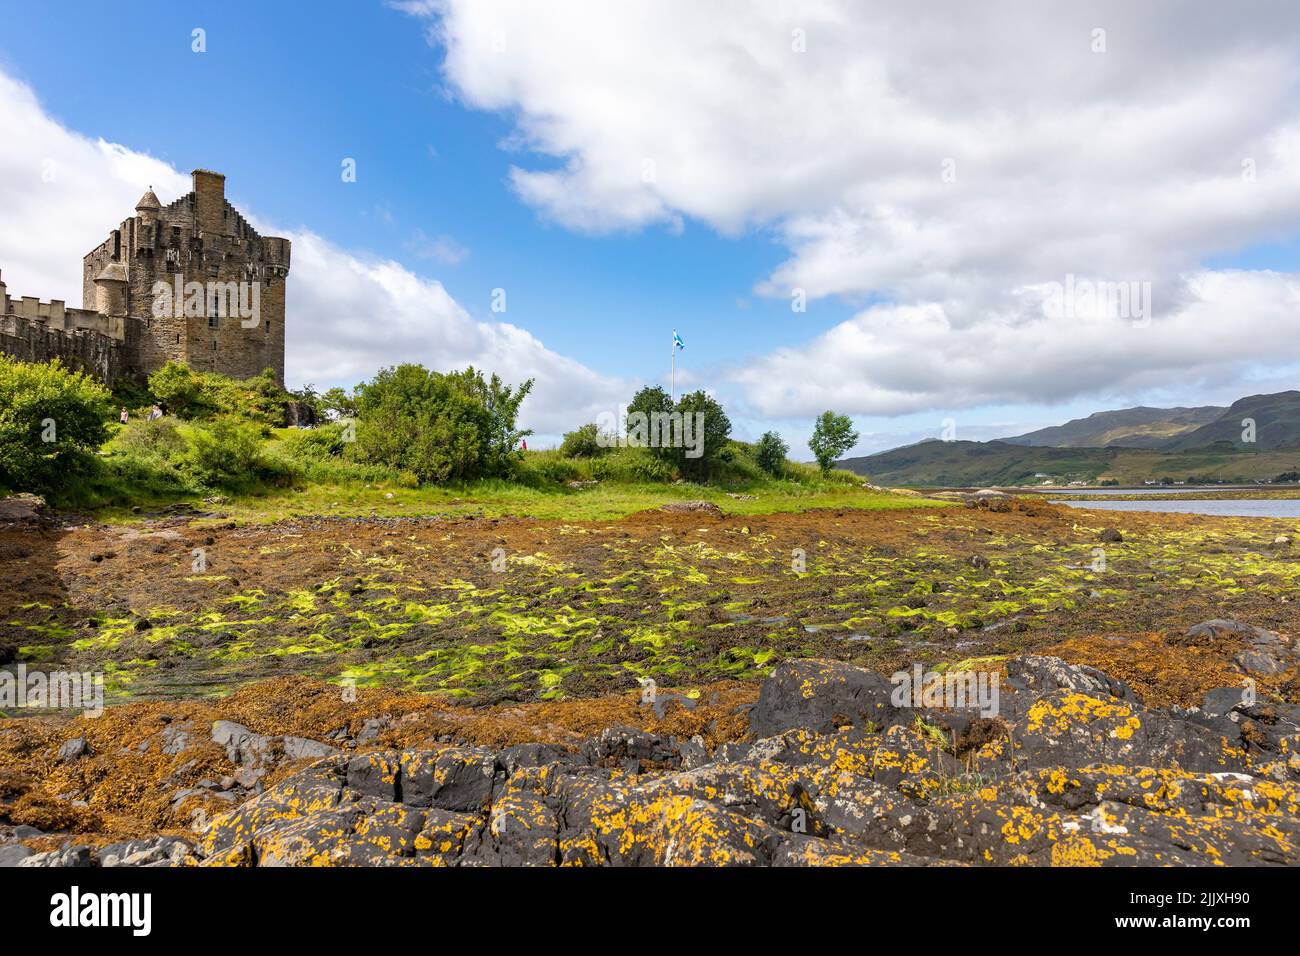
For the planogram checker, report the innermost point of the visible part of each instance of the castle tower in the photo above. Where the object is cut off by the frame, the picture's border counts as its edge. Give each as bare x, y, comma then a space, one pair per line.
197, 242
209, 202
111, 290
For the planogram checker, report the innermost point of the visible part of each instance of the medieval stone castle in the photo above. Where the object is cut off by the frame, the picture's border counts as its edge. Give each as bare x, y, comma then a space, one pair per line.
209, 260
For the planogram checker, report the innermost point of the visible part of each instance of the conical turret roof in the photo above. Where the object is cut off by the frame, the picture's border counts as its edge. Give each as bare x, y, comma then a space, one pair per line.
113, 272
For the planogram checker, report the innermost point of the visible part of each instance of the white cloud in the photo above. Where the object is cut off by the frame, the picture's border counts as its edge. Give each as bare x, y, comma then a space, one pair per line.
352, 315
348, 313
444, 249
1127, 164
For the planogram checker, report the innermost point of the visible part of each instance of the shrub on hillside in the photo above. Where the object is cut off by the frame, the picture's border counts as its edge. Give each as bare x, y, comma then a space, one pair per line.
160, 439
202, 396
584, 442
51, 421
227, 452
323, 441
711, 443
457, 426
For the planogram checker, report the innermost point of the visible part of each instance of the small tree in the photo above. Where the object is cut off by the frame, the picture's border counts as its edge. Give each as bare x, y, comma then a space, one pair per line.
833, 435
51, 420
339, 403
180, 389
770, 452
650, 401
708, 441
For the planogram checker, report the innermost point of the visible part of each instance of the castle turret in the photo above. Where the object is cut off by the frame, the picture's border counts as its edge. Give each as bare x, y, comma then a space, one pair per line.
148, 207
209, 201
110, 290
4, 296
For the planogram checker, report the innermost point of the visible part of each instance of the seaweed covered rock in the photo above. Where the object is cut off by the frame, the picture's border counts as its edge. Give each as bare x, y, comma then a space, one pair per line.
1072, 770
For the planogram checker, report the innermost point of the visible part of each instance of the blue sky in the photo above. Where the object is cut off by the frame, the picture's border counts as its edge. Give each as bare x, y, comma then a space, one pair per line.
298, 94
281, 97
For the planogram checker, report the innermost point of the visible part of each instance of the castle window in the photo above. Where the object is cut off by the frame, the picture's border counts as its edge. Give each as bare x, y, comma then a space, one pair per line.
268, 325
214, 321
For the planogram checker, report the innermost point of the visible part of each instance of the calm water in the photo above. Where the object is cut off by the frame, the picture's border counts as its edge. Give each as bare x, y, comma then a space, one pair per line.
1161, 489
1223, 507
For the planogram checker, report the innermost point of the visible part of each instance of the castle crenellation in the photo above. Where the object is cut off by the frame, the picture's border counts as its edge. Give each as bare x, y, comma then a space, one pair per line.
191, 282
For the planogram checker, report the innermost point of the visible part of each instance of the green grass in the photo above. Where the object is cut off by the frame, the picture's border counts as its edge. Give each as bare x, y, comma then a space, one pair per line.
605, 501
615, 485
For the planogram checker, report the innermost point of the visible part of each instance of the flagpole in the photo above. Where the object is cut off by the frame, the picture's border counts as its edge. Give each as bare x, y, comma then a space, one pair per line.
674, 370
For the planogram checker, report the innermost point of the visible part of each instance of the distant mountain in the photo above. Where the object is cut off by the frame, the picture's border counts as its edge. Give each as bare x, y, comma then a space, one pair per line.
966, 463
1276, 420
1130, 445
972, 464
1140, 427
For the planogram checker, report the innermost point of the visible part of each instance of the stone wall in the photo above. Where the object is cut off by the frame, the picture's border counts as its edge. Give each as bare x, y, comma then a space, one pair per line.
34, 341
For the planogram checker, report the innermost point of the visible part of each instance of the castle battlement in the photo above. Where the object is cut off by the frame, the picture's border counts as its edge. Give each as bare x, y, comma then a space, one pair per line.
199, 239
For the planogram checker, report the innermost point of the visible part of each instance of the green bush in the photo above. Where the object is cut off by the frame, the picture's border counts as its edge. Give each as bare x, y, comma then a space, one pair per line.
584, 442
650, 401
770, 452
160, 439
713, 441
457, 426
202, 396
227, 453
51, 421
315, 444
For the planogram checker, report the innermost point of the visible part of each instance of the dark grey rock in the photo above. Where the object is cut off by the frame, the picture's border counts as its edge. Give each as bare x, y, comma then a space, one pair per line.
74, 749
822, 696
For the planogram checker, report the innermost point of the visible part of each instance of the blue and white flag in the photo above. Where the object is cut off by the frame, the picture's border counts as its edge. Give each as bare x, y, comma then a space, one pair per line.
677, 341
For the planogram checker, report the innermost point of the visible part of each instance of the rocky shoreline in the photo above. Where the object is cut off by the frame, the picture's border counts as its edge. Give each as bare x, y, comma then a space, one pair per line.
1072, 770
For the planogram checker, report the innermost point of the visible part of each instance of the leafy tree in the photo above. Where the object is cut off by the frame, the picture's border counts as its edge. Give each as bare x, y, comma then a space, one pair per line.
709, 440
51, 420
584, 442
501, 440
441, 427
770, 452
833, 435
180, 390
650, 401
338, 402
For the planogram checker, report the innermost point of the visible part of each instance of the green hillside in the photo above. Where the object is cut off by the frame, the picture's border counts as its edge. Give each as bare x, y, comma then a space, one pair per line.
968, 464
1276, 418
1141, 427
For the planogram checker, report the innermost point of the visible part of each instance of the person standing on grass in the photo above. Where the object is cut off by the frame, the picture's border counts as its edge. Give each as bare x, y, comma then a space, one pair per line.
124, 417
